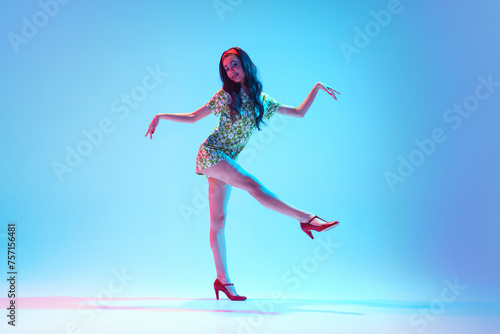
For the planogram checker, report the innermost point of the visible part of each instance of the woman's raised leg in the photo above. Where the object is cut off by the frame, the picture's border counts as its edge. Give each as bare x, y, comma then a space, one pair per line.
229, 172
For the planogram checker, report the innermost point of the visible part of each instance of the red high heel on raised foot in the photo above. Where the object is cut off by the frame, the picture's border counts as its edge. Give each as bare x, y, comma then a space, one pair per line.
218, 286
308, 227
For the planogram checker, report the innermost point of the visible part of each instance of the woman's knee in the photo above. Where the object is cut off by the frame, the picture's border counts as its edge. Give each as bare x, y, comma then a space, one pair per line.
250, 184
217, 220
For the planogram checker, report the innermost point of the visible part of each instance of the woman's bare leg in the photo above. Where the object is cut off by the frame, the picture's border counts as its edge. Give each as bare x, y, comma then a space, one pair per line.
229, 172
218, 195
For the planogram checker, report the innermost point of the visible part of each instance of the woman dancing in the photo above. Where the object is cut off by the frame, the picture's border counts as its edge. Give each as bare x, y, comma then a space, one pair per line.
242, 108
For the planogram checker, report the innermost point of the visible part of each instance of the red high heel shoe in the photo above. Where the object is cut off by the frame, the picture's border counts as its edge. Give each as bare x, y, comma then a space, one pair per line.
308, 227
218, 286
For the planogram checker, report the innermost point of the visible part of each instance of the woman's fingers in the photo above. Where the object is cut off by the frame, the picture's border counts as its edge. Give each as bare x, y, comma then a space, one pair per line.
330, 91
150, 132
152, 127
333, 90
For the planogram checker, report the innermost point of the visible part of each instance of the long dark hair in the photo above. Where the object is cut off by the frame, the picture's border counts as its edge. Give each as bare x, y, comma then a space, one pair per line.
252, 83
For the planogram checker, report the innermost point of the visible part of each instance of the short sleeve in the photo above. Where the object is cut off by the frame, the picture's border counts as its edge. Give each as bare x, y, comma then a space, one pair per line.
219, 102
270, 105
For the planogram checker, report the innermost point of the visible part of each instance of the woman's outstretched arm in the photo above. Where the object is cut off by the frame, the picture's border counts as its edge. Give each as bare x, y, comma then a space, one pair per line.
301, 110
183, 118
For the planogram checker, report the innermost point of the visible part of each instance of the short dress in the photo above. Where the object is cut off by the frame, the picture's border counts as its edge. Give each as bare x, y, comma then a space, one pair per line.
229, 138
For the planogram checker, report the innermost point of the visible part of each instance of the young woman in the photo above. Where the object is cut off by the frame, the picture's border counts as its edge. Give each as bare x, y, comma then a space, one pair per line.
242, 108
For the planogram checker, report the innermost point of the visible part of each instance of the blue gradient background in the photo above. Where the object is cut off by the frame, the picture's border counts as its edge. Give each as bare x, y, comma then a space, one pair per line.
121, 208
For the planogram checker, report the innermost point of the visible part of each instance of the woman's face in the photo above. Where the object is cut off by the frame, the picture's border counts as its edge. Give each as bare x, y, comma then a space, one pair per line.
234, 70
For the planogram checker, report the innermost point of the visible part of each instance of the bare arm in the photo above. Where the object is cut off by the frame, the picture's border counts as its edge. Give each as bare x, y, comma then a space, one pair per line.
301, 110
182, 118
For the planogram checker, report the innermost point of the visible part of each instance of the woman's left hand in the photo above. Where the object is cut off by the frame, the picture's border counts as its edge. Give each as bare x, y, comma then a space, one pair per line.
328, 89
152, 126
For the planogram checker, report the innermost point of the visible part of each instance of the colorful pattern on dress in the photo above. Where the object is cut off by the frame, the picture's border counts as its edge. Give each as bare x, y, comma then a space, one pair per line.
229, 138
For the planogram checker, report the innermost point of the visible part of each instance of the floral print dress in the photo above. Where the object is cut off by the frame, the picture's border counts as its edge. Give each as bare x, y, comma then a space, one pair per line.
229, 138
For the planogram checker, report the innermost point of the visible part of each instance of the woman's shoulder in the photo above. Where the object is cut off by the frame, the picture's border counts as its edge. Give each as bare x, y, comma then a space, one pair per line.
268, 100
221, 93
219, 101
265, 97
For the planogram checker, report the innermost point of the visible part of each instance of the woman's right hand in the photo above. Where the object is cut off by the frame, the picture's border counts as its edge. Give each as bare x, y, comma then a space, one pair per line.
328, 89
152, 126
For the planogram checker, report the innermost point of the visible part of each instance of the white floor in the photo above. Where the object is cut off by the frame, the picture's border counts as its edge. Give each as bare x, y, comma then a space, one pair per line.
57, 315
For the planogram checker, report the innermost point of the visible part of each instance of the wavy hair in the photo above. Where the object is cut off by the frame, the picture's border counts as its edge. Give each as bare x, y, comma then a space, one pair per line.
252, 83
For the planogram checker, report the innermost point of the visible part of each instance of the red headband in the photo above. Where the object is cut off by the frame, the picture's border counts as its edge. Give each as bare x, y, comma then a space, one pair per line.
230, 51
